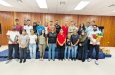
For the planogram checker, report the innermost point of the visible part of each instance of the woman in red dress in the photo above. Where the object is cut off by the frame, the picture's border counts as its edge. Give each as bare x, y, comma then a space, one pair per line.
61, 40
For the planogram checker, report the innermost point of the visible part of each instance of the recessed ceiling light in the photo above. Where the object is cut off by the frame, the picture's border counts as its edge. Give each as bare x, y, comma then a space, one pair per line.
2, 2
42, 3
81, 5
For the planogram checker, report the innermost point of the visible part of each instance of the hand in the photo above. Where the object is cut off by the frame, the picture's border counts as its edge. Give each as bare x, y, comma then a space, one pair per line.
23, 46
74, 45
48, 45
61, 44
94, 43
80, 44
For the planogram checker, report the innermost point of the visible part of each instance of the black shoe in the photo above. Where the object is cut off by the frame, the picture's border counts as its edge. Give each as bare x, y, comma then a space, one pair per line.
20, 61
24, 61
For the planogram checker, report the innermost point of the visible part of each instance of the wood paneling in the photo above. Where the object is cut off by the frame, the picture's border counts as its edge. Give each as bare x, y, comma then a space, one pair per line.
7, 20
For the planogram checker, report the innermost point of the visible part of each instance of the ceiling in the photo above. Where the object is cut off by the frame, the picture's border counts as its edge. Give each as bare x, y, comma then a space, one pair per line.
96, 7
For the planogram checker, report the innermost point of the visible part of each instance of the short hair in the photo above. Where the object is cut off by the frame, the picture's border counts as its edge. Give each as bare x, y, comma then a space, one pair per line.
56, 20
16, 19
34, 22
28, 19
88, 22
51, 21
93, 21
94, 25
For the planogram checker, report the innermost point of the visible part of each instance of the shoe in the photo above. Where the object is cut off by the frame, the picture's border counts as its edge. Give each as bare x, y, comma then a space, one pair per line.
24, 61
20, 61
89, 59
96, 62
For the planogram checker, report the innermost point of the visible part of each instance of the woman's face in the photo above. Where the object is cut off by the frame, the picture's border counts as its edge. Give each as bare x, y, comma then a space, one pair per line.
32, 31
81, 25
83, 33
52, 29
24, 32
61, 31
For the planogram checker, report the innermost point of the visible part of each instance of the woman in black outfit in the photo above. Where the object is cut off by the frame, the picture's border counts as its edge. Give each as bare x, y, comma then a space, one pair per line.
82, 46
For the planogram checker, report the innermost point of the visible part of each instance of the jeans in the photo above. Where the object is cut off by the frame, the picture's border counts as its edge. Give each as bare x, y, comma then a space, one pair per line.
51, 53
67, 52
23, 54
74, 51
10, 51
32, 48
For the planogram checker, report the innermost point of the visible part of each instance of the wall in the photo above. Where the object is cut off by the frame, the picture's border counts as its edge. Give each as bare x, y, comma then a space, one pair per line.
7, 20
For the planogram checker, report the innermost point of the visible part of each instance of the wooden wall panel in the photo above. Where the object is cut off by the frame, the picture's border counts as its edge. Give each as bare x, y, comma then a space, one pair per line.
7, 20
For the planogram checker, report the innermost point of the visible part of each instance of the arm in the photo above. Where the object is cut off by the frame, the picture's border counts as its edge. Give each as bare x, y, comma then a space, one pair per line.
9, 38
77, 42
27, 42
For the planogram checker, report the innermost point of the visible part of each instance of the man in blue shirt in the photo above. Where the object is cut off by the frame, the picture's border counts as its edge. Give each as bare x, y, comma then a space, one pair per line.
39, 28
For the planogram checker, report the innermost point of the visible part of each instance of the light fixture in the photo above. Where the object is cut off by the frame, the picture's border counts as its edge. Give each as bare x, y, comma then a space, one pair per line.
42, 3
81, 5
2, 2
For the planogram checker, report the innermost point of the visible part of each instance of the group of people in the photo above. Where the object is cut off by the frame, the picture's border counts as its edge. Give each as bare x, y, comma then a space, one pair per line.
70, 41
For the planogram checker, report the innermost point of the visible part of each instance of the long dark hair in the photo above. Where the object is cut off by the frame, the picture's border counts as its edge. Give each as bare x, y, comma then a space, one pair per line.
82, 26
43, 33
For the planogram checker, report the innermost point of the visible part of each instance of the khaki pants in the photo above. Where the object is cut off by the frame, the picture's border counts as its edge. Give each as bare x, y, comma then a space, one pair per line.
42, 50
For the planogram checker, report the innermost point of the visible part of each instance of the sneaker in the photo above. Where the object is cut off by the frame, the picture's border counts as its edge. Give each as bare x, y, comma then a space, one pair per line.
96, 62
89, 59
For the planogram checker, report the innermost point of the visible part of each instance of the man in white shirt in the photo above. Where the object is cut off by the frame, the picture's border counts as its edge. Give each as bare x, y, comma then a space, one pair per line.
12, 36
95, 38
72, 28
28, 27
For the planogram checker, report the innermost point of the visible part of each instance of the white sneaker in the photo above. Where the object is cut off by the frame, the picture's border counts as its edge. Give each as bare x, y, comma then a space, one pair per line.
89, 59
96, 62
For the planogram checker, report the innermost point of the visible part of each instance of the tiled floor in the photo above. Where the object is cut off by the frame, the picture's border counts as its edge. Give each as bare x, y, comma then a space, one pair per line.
37, 67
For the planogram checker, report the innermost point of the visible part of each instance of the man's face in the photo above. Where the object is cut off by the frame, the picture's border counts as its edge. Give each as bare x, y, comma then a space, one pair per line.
94, 28
88, 24
72, 23
93, 23
17, 23
46, 24
28, 22
51, 23
56, 22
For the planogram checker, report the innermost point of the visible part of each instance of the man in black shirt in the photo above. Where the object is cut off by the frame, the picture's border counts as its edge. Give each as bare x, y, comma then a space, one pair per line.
51, 42
74, 40
58, 27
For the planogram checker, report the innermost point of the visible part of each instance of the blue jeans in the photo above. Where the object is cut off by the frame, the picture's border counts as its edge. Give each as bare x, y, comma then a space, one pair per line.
32, 48
51, 53
67, 52
74, 51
